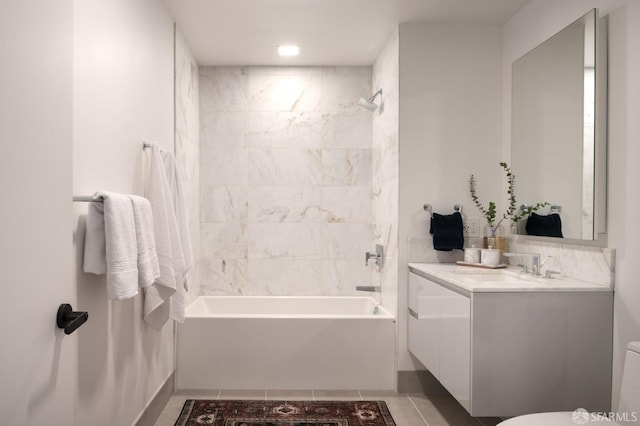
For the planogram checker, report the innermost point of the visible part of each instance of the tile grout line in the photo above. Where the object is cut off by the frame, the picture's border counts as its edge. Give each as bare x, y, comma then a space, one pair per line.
416, 407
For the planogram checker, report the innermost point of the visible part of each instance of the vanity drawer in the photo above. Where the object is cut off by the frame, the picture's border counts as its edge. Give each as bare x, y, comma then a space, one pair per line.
440, 334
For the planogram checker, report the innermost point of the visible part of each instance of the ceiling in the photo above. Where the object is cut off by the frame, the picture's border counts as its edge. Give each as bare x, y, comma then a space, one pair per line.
329, 32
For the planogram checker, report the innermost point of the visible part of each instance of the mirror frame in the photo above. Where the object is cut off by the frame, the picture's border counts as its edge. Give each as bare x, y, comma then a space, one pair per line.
600, 237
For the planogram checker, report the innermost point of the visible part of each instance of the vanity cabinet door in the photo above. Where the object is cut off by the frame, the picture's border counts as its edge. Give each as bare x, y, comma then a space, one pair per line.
440, 334
424, 315
455, 345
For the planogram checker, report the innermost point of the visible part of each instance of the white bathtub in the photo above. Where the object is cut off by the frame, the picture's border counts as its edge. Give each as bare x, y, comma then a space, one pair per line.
253, 342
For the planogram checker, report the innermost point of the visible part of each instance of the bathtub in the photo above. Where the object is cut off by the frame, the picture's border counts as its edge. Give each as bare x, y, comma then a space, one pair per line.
286, 343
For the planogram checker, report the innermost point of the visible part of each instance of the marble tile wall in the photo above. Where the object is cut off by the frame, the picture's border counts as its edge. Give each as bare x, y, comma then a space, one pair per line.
385, 169
587, 263
285, 180
187, 145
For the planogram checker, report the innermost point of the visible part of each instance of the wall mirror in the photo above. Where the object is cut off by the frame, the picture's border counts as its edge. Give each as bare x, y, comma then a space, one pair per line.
558, 141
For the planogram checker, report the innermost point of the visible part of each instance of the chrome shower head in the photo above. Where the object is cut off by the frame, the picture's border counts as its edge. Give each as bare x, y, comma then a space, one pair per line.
368, 104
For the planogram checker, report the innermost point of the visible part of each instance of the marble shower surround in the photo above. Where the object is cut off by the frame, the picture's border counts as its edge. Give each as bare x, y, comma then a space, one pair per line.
285, 180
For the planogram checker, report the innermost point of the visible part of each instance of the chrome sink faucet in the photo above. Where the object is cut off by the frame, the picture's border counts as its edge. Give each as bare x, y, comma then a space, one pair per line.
535, 261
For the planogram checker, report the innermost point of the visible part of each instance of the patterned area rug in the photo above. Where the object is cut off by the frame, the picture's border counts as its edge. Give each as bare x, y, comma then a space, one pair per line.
284, 413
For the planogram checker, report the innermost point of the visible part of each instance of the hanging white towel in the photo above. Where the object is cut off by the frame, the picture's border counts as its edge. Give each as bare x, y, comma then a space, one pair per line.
148, 267
168, 247
113, 223
95, 246
174, 180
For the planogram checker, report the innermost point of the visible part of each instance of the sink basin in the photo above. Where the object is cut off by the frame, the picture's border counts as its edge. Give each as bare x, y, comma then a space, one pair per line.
494, 277
488, 277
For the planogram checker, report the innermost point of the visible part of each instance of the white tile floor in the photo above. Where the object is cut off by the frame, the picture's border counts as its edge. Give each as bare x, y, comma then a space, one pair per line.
413, 409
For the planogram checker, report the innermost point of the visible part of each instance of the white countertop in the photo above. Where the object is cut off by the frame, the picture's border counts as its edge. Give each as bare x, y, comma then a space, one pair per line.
472, 279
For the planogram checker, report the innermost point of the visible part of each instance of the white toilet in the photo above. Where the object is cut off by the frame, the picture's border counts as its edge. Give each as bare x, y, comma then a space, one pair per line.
628, 413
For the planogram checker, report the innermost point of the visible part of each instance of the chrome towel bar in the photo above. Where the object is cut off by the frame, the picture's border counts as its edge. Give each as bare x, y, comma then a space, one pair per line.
87, 199
94, 199
429, 209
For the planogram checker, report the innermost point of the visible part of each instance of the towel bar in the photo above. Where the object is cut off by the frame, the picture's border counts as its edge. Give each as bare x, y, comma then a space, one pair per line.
553, 208
93, 199
429, 209
87, 199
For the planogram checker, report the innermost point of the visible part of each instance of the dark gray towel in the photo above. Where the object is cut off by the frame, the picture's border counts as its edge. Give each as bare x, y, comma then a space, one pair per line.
544, 226
447, 231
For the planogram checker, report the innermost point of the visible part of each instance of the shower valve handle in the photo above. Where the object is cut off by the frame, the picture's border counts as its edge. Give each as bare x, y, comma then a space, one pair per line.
377, 255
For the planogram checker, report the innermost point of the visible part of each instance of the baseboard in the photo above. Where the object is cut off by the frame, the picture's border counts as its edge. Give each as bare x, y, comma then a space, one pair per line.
421, 381
153, 410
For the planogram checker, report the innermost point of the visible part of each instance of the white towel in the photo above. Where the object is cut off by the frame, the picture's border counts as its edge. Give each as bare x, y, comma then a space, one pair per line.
170, 257
184, 265
174, 178
112, 221
95, 246
148, 267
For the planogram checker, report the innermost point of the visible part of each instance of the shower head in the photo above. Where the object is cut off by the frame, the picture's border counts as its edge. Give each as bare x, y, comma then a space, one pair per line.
368, 104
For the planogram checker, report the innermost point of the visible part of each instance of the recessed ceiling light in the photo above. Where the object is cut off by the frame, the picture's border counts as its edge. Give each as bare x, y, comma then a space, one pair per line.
288, 50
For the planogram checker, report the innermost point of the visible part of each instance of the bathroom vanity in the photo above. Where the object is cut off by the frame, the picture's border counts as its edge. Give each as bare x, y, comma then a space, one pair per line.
504, 343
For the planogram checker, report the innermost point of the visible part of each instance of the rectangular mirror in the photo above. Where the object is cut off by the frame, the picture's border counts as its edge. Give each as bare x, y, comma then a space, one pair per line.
556, 155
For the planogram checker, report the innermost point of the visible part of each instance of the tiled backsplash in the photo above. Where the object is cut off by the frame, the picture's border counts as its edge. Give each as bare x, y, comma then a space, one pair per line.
285, 180
593, 264
587, 263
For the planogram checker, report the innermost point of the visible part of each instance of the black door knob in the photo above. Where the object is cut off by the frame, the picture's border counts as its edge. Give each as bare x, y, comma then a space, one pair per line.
70, 320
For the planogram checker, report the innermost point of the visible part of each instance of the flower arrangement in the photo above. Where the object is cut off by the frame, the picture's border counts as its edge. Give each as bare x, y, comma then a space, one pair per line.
512, 212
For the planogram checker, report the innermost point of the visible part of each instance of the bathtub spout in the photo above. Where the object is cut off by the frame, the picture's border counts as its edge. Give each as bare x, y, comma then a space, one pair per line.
370, 288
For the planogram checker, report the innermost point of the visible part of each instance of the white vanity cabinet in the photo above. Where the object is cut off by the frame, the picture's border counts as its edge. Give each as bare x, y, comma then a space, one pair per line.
505, 352
440, 333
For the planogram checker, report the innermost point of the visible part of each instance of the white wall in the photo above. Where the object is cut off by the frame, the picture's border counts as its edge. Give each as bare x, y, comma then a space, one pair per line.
624, 197
37, 360
450, 126
532, 25
123, 94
